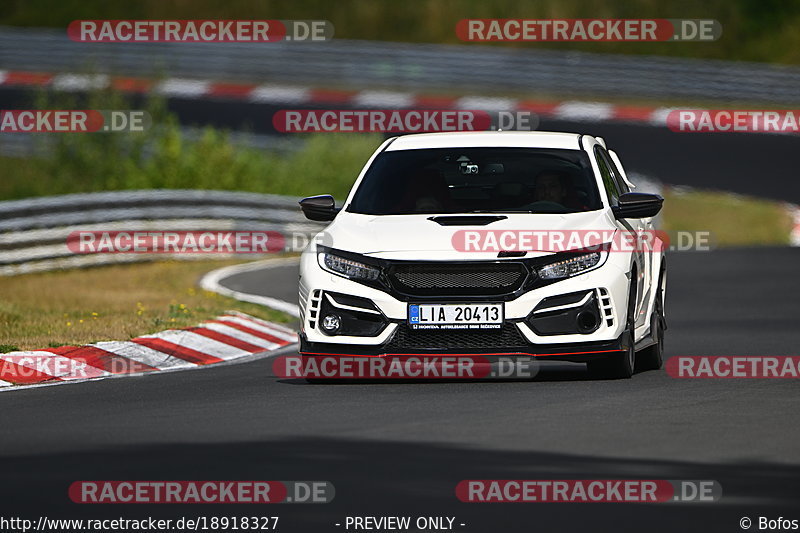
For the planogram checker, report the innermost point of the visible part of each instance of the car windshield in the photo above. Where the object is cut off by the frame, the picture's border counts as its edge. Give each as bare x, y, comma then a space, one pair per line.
477, 180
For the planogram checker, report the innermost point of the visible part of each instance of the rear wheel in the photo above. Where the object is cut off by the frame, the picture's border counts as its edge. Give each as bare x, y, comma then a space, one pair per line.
652, 357
621, 365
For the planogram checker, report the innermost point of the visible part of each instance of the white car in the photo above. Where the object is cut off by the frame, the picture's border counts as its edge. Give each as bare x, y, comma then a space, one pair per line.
435, 251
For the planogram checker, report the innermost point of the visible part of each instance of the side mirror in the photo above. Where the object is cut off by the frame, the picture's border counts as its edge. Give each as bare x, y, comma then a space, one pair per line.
320, 208
637, 205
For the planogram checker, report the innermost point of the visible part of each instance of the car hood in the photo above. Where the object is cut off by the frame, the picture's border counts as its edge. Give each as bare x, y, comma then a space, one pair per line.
418, 237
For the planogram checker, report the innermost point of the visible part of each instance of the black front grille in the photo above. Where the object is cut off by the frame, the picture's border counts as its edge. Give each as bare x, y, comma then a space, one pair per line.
431, 279
405, 339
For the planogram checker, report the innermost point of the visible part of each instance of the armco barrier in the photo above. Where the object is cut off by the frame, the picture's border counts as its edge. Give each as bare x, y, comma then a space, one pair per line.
33, 232
400, 66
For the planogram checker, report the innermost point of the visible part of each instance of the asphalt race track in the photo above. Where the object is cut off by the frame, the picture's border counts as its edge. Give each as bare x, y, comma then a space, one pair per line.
400, 449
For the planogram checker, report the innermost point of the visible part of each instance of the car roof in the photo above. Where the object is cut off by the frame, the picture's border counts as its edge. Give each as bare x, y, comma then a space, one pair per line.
487, 139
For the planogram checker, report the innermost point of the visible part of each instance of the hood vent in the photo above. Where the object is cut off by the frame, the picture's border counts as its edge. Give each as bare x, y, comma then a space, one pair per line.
467, 220
511, 253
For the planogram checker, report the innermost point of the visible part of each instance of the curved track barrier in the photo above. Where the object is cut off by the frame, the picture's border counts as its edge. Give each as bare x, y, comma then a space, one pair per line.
33, 232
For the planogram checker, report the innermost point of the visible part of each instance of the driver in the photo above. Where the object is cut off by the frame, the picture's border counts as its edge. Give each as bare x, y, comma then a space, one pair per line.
551, 186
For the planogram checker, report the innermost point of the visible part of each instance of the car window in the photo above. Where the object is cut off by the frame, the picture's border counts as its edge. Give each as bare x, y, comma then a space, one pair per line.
621, 185
469, 180
609, 181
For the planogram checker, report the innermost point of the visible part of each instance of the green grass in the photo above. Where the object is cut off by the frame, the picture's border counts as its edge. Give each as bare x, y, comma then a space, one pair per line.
753, 30
328, 163
732, 219
110, 303
163, 157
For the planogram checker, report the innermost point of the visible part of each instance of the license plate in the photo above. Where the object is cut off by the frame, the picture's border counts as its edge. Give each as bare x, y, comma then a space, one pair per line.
455, 316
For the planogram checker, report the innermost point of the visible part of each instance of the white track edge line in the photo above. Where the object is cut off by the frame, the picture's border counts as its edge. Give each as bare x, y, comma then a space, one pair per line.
211, 282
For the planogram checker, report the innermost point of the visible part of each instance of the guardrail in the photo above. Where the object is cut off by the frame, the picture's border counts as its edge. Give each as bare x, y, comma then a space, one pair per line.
33, 232
364, 64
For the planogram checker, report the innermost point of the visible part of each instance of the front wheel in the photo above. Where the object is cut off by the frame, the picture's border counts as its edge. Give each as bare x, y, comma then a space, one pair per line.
652, 357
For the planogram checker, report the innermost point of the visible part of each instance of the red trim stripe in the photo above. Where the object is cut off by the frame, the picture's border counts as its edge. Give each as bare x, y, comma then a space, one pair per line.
227, 339
101, 359
175, 350
458, 354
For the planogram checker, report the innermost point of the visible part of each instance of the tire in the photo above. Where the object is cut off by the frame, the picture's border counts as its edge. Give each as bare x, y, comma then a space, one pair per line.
652, 357
620, 366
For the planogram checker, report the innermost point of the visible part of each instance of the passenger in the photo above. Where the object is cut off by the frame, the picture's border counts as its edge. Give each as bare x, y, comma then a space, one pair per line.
425, 192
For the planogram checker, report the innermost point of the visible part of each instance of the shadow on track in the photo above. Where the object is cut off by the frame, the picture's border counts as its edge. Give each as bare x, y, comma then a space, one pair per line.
394, 478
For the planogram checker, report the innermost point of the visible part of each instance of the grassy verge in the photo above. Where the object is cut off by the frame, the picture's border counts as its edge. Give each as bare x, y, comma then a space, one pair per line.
326, 164
110, 303
732, 219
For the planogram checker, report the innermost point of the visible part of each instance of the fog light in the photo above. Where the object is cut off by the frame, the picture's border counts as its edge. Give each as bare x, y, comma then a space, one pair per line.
331, 323
587, 321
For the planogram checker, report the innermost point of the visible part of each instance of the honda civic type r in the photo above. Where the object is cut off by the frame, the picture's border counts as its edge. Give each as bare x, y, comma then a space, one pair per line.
412, 262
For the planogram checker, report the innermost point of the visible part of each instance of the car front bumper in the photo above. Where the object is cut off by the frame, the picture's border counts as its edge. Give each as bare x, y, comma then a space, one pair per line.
607, 284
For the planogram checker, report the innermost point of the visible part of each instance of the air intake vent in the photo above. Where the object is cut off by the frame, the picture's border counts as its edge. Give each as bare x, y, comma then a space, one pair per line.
313, 308
606, 309
470, 220
501, 340
464, 279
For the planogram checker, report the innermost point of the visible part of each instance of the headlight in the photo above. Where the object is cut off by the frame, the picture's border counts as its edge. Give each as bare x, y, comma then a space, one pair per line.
570, 267
347, 267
